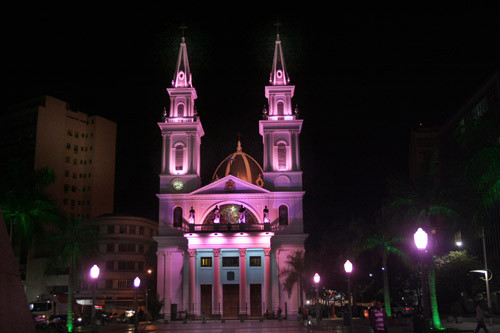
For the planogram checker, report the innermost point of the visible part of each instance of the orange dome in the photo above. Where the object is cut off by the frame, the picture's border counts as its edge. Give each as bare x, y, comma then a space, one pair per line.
241, 165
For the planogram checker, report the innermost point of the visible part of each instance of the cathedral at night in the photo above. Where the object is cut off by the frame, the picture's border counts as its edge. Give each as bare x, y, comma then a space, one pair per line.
221, 246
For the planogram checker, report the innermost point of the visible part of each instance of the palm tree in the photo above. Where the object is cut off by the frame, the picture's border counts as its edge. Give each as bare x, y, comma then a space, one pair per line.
25, 205
294, 274
72, 241
384, 244
422, 202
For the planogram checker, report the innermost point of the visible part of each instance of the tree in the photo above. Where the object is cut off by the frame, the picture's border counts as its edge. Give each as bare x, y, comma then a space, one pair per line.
294, 274
424, 202
454, 278
383, 239
71, 241
25, 204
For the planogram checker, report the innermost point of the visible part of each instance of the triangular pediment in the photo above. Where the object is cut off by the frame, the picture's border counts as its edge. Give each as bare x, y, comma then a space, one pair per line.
230, 184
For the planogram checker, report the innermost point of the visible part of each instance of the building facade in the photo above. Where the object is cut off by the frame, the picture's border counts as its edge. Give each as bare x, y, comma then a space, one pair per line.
126, 250
46, 132
221, 246
80, 149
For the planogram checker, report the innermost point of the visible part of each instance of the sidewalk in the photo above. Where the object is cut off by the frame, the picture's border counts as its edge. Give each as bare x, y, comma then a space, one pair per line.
403, 325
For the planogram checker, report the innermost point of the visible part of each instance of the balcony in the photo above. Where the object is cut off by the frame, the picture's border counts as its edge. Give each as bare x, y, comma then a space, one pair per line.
230, 227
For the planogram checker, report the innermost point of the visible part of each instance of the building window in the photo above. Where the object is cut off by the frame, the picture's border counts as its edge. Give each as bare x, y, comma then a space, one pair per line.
177, 217
141, 230
110, 266
131, 229
127, 247
179, 157
108, 284
230, 261
255, 261
123, 229
111, 229
110, 247
206, 261
141, 248
281, 108
180, 110
124, 284
66, 173
126, 266
283, 215
140, 266
68, 146
68, 159
281, 156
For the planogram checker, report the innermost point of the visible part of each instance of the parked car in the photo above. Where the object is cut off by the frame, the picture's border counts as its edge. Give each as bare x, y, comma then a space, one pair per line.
402, 310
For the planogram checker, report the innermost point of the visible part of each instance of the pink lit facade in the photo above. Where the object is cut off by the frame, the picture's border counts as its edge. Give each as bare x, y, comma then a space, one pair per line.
221, 246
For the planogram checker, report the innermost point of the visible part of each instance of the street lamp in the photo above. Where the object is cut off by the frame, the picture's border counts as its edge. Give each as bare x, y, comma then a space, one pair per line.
316, 282
487, 278
421, 238
348, 270
94, 275
137, 283
149, 271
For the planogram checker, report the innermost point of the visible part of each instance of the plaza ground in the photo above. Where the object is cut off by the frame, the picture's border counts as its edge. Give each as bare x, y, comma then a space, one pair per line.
467, 324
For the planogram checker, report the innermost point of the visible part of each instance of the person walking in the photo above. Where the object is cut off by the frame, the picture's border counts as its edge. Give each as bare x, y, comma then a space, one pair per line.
378, 318
480, 319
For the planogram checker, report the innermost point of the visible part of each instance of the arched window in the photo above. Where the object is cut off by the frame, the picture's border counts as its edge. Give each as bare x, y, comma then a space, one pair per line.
283, 215
177, 217
280, 108
179, 157
281, 156
180, 110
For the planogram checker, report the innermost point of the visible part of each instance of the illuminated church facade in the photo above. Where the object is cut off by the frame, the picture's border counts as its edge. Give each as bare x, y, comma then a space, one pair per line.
221, 246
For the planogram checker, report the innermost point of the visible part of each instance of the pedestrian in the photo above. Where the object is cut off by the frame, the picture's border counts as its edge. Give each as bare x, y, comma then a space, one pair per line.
279, 312
378, 318
480, 318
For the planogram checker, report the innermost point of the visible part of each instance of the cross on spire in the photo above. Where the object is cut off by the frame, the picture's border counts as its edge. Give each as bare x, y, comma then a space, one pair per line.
277, 24
183, 28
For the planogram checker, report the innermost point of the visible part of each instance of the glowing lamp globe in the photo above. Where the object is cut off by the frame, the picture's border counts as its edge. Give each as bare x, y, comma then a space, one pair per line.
420, 238
348, 267
316, 278
94, 272
137, 282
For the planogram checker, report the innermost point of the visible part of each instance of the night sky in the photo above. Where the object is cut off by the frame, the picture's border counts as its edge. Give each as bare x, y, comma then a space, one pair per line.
362, 82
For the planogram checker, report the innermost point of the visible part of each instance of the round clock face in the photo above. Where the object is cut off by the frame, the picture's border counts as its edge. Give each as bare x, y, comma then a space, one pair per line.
178, 185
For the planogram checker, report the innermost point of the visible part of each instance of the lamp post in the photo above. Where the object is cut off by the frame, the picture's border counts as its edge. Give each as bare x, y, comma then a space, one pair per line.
137, 283
149, 271
94, 275
486, 279
420, 237
348, 270
318, 310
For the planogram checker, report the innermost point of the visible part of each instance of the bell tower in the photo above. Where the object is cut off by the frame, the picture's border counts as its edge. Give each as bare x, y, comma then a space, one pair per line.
280, 130
181, 132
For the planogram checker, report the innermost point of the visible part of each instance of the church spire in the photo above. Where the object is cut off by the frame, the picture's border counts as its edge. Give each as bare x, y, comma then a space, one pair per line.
279, 75
182, 76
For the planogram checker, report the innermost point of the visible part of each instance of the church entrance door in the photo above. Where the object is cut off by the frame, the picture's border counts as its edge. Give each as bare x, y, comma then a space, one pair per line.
206, 299
230, 299
255, 300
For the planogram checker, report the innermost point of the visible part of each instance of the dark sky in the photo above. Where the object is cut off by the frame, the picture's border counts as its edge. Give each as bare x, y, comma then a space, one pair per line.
362, 83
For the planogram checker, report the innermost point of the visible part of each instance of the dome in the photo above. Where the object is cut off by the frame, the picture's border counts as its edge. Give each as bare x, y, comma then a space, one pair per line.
241, 165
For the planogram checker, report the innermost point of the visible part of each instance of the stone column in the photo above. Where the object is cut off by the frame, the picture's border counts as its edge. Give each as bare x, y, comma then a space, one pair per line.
165, 168
217, 286
243, 283
267, 280
160, 282
192, 280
